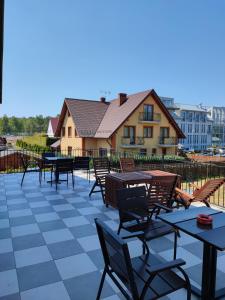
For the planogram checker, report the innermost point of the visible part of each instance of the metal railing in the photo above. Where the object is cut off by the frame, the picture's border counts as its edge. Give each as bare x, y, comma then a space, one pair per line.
190, 172
149, 117
168, 141
132, 141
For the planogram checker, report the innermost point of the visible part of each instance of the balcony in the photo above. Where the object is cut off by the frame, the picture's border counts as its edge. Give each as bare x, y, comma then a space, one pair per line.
168, 142
132, 142
149, 118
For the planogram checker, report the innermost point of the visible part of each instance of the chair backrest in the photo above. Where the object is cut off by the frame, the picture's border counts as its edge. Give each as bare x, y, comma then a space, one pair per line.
81, 162
161, 191
24, 161
101, 166
131, 199
208, 189
47, 154
127, 164
64, 165
116, 256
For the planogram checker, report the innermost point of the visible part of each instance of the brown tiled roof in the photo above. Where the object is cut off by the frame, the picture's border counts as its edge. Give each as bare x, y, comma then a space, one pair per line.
101, 120
116, 115
54, 123
87, 115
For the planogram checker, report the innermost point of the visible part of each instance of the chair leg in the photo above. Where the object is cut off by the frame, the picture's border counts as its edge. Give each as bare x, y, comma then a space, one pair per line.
72, 180
67, 178
175, 245
119, 229
101, 285
93, 187
40, 177
51, 177
23, 177
102, 192
145, 247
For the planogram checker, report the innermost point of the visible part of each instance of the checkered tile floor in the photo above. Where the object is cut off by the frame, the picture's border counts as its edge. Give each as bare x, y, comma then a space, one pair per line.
49, 248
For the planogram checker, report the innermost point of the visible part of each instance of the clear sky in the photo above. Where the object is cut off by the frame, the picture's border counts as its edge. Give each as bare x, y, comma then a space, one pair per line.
80, 48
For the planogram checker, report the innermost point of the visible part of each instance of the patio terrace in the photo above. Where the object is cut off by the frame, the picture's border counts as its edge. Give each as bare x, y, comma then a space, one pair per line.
49, 247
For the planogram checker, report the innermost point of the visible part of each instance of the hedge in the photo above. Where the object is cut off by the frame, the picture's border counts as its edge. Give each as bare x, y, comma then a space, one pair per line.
32, 147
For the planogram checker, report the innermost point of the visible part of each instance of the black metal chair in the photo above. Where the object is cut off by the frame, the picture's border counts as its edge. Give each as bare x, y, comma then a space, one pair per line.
63, 166
101, 169
31, 166
82, 163
45, 163
144, 277
135, 216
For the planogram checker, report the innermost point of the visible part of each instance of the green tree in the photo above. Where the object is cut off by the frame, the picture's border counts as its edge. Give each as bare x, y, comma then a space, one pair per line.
5, 126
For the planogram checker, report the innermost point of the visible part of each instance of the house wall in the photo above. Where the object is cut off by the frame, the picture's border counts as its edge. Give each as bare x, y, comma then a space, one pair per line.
74, 142
149, 143
50, 130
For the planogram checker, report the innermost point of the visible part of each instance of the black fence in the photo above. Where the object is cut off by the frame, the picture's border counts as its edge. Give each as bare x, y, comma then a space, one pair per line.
190, 172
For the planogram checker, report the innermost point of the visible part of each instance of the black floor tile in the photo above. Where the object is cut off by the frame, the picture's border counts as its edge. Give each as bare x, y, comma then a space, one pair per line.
64, 249
86, 286
82, 231
28, 241
22, 220
36, 275
51, 225
7, 261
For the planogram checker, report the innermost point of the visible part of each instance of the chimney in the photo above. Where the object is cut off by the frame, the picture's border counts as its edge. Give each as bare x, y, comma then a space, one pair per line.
122, 98
102, 99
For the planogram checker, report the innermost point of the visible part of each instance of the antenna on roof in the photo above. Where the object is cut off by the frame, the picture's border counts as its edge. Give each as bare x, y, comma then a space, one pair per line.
105, 93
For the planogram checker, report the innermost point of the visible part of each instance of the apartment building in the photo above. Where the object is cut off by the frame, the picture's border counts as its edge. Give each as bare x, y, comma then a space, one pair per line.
217, 115
194, 122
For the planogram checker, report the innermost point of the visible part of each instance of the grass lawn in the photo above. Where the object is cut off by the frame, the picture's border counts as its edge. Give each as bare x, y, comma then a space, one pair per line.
36, 139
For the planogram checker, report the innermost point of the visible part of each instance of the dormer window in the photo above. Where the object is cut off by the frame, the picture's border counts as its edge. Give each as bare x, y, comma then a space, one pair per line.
69, 131
148, 112
63, 131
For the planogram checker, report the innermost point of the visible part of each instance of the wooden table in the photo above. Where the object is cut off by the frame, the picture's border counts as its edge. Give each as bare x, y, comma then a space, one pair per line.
213, 238
116, 181
53, 160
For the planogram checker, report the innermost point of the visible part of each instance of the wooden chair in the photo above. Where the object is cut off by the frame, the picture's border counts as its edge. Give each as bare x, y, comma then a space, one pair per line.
135, 216
101, 169
63, 166
45, 163
127, 165
144, 277
31, 166
82, 163
162, 191
201, 194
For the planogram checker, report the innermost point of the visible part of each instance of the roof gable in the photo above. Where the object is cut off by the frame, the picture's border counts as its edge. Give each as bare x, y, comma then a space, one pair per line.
54, 124
101, 119
116, 115
86, 114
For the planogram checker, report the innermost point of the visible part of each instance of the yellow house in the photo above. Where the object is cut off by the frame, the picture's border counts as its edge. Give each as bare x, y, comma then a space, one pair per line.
137, 123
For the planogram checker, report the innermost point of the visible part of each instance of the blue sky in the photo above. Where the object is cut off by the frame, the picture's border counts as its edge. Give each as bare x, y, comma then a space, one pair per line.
80, 48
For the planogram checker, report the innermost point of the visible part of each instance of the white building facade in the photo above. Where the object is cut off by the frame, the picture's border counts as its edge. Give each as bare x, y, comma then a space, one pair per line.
217, 115
194, 122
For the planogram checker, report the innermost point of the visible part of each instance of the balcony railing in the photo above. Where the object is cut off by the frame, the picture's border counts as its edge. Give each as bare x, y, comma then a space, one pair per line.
132, 141
171, 141
149, 117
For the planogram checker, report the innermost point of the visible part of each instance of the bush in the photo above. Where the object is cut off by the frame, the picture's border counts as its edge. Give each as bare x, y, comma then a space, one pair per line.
32, 147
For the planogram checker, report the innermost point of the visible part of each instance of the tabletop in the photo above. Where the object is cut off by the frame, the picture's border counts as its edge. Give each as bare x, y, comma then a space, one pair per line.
140, 175
55, 158
186, 221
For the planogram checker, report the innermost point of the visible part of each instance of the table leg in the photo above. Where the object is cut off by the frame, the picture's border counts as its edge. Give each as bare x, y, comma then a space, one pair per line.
209, 272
